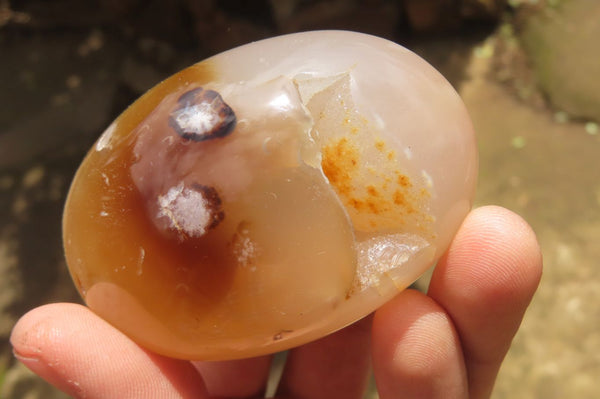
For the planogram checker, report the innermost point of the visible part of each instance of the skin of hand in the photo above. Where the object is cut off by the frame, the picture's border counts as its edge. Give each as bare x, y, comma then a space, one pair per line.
448, 343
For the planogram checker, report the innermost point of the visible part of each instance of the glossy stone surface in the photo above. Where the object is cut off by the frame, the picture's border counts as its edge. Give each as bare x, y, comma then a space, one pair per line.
270, 195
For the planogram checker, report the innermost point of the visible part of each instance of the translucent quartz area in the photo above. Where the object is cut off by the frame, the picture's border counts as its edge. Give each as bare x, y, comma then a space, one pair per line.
270, 195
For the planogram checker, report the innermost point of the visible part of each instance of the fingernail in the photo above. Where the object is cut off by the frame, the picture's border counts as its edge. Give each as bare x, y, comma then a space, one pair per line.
32, 363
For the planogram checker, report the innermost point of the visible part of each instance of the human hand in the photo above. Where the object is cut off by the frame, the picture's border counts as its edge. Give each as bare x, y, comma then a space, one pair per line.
446, 344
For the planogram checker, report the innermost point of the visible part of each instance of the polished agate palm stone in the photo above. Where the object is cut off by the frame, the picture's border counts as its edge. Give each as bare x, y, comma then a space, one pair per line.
270, 195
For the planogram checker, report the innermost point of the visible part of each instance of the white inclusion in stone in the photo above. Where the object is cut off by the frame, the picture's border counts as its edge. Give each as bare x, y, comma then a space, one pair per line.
427, 178
379, 255
245, 250
187, 210
140, 263
197, 119
104, 142
281, 103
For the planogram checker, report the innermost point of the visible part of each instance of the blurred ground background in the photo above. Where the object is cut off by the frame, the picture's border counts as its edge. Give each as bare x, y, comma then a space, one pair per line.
528, 71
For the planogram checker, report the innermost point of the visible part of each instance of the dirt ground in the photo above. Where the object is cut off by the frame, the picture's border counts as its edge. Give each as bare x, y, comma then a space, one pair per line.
60, 87
547, 171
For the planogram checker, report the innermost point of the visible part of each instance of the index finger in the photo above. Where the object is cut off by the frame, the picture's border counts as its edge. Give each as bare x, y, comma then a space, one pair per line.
485, 283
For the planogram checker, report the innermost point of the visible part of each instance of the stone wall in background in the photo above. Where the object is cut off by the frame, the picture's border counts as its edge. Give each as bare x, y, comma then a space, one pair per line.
561, 39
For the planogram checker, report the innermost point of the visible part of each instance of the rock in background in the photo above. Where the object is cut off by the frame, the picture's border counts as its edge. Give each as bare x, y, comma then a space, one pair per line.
562, 41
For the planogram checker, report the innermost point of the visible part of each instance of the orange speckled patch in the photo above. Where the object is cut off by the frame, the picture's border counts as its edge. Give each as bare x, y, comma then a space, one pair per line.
377, 198
340, 164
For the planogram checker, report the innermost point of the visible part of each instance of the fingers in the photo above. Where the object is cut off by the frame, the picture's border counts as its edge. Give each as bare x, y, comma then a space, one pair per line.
447, 345
451, 343
245, 378
81, 354
485, 283
416, 351
333, 367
